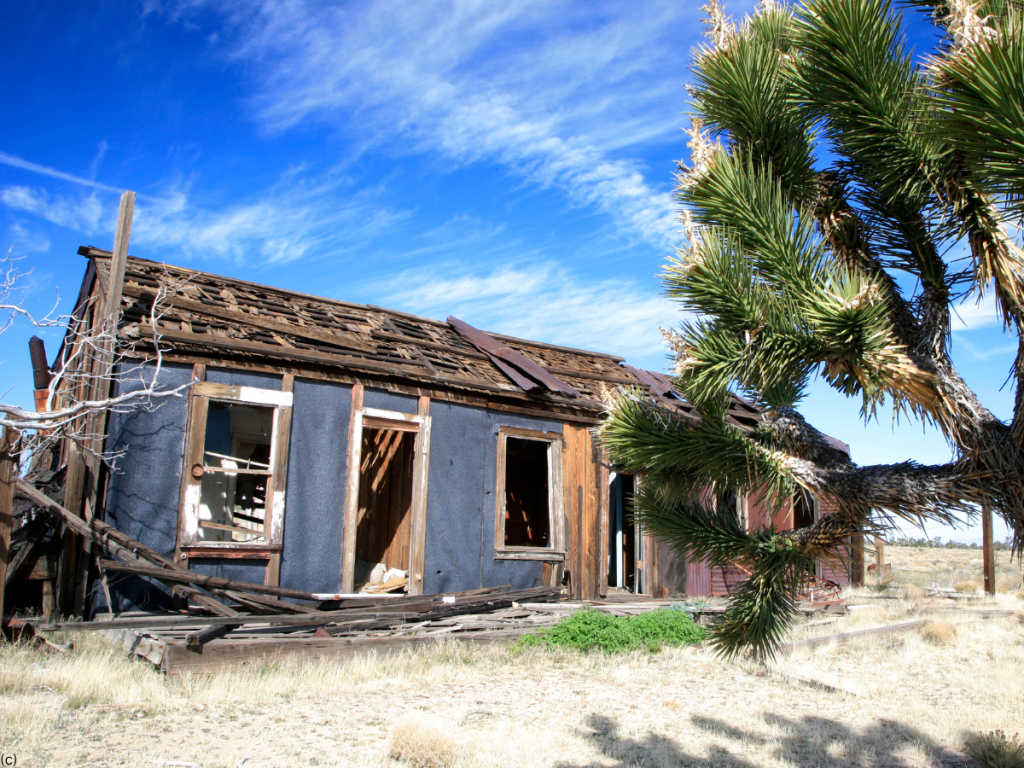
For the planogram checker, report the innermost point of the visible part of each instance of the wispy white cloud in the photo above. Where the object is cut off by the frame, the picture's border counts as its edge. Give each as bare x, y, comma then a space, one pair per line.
556, 93
22, 240
291, 221
296, 217
540, 302
101, 150
80, 212
18, 162
975, 312
979, 353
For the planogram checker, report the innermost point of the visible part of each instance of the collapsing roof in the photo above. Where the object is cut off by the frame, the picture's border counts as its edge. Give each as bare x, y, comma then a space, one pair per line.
259, 326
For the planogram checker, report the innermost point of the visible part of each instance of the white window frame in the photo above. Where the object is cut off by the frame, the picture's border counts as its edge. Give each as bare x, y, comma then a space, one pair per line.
555, 551
203, 393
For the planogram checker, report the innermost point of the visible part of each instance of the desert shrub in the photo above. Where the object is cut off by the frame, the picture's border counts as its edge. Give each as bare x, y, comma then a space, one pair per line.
966, 586
911, 592
588, 630
422, 745
995, 750
938, 632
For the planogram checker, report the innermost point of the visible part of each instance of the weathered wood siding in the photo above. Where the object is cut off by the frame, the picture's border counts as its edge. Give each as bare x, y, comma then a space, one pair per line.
704, 580
586, 504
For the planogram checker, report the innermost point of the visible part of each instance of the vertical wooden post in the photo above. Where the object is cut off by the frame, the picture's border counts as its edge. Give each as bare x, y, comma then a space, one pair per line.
988, 551
355, 443
70, 542
119, 259
8, 477
857, 560
275, 489
421, 479
879, 557
100, 389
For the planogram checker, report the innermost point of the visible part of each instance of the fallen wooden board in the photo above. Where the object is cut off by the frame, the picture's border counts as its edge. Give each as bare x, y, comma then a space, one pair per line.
436, 605
847, 636
178, 576
36, 531
981, 611
178, 659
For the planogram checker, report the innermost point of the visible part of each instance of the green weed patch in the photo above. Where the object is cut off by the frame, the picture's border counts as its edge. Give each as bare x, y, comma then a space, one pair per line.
589, 630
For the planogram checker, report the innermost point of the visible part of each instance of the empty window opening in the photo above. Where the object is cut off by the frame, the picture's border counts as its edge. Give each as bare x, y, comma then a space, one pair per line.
235, 472
622, 555
803, 510
527, 493
384, 519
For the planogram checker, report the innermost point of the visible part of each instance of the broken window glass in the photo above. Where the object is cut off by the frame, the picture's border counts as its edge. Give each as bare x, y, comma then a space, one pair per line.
527, 495
235, 472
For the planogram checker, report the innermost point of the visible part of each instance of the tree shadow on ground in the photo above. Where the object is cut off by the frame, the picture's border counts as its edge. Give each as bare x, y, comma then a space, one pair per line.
810, 740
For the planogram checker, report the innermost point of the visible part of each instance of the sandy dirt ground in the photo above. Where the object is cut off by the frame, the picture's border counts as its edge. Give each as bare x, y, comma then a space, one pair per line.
950, 568
904, 699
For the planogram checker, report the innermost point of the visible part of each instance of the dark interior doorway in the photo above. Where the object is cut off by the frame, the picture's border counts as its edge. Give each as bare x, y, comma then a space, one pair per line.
384, 520
622, 533
803, 510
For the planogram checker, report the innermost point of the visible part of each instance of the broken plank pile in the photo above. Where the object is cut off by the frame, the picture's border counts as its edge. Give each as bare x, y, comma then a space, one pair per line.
250, 598
221, 597
188, 643
238, 621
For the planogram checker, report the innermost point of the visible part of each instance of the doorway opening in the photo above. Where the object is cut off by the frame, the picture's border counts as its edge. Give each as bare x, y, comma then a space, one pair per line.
622, 544
384, 518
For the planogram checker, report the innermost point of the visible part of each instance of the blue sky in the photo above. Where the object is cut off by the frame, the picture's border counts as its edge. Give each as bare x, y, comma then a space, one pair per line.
508, 163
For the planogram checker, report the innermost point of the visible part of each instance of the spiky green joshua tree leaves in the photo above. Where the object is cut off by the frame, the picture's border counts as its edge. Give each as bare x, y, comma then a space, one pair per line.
830, 168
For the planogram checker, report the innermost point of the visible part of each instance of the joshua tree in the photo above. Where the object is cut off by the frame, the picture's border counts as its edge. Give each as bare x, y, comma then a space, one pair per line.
831, 176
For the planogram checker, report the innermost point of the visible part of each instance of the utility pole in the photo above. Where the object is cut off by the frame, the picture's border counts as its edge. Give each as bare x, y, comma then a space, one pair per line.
988, 551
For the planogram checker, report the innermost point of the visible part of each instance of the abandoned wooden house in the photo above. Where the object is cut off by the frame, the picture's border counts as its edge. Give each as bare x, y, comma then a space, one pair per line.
333, 447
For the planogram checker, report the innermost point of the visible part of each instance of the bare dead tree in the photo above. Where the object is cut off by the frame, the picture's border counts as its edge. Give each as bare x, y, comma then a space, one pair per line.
93, 359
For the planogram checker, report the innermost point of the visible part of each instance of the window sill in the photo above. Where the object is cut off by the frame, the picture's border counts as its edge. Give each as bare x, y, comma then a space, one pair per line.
548, 555
237, 551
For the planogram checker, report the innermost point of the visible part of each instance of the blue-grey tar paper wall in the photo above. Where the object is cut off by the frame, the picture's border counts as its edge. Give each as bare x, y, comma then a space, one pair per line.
460, 500
142, 495
142, 498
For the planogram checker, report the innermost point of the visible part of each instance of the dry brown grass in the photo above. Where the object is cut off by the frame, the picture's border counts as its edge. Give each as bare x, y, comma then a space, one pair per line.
897, 700
422, 744
911, 592
929, 567
939, 633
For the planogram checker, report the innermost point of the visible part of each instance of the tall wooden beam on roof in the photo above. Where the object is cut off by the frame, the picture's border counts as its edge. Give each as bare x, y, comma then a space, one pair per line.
119, 259
99, 389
